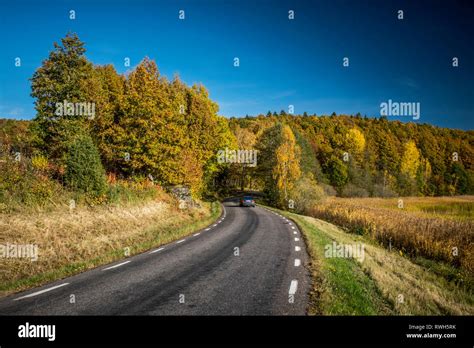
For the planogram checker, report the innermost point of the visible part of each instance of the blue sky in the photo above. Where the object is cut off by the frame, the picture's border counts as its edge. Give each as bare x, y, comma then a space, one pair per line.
282, 61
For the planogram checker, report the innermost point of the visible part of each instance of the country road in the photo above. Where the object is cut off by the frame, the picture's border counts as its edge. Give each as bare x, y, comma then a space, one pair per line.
249, 262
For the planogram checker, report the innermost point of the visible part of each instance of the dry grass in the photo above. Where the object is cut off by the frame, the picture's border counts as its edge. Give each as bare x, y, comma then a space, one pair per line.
454, 208
410, 288
90, 236
430, 232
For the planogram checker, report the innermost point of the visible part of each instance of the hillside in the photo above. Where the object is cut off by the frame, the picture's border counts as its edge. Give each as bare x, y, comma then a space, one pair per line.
361, 156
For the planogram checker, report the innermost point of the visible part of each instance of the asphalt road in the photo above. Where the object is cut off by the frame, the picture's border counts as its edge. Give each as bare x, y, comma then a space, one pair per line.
250, 262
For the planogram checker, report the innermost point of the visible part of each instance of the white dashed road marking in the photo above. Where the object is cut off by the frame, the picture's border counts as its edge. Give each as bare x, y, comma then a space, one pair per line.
297, 262
297, 239
207, 229
293, 287
155, 251
180, 241
196, 234
41, 292
297, 248
120, 264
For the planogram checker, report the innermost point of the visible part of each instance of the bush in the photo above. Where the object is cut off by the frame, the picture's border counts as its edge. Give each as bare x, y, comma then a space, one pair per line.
40, 163
351, 190
383, 191
84, 170
306, 193
328, 190
132, 191
21, 185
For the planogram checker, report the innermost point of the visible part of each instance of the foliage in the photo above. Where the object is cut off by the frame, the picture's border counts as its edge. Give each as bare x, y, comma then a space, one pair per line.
287, 157
411, 160
65, 76
279, 162
384, 158
84, 170
148, 126
305, 193
21, 184
143, 124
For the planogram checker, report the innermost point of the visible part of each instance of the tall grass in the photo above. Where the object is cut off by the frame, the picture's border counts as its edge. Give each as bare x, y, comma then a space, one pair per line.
411, 230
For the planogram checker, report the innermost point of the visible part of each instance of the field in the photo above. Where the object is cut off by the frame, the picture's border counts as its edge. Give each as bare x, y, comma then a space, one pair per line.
426, 229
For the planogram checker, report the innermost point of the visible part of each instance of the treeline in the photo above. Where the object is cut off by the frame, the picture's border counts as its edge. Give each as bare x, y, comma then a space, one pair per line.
93, 123
361, 157
141, 124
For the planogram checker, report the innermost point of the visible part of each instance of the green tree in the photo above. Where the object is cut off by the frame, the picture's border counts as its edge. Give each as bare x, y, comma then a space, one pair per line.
337, 172
84, 170
245, 141
308, 161
65, 76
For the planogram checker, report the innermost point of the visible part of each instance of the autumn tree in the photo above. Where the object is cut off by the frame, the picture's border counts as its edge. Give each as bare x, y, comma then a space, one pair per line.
245, 141
356, 143
267, 143
105, 127
411, 160
409, 167
379, 163
287, 168
165, 129
206, 132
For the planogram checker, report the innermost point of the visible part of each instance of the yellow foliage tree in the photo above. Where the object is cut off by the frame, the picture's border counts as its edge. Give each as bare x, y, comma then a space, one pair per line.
245, 141
411, 160
356, 140
287, 169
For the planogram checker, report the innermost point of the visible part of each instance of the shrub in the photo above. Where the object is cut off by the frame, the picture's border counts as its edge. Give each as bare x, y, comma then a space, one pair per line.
39, 163
351, 190
21, 185
122, 191
306, 193
84, 170
383, 191
328, 190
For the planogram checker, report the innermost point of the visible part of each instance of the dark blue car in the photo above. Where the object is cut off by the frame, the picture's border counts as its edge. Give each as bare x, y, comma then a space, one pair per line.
247, 201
